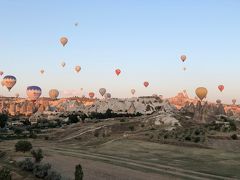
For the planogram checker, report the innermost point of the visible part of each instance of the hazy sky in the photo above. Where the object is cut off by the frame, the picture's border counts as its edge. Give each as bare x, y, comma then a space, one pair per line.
144, 38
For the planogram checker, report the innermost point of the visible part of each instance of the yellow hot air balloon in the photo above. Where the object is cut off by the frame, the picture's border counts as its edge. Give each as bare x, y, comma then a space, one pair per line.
53, 93
63, 41
201, 93
77, 69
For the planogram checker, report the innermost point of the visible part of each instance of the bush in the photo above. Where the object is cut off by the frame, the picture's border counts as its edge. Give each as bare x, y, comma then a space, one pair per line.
5, 174
32, 135
37, 155
73, 119
23, 146
41, 170
78, 172
234, 137
96, 133
131, 128
3, 120
18, 131
53, 175
26, 164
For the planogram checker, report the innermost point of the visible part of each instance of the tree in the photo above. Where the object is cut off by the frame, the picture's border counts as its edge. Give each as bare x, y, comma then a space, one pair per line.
78, 172
5, 174
3, 120
23, 146
37, 155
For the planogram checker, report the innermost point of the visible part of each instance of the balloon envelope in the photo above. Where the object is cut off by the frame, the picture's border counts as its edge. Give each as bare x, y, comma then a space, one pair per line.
133, 91
9, 81
63, 41
221, 87
183, 58
53, 93
63, 64
218, 101
42, 71
201, 93
234, 101
17, 95
118, 72
91, 95
146, 84
33, 92
77, 69
102, 91
107, 95
1, 73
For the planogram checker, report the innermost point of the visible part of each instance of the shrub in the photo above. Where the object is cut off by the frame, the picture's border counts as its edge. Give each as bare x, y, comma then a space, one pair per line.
78, 172
122, 120
197, 139
26, 164
23, 146
32, 135
131, 128
3, 120
5, 174
73, 119
234, 137
53, 175
96, 133
41, 170
18, 131
46, 137
37, 155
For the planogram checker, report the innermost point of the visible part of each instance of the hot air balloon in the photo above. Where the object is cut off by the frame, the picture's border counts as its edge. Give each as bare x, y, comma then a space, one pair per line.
53, 94
63, 41
9, 81
91, 95
81, 89
102, 91
146, 84
1, 73
42, 71
77, 69
221, 87
63, 64
218, 101
118, 72
33, 92
234, 101
133, 91
2, 83
184, 69
201, 93
183, 58
17, 95
107, 95
76, 24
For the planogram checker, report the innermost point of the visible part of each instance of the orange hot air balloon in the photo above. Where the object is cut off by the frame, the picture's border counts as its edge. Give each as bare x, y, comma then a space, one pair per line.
91, 95
183, 58
63, 41
77, 69
118, 72
146, 84
201, 93
221, 88
234, 101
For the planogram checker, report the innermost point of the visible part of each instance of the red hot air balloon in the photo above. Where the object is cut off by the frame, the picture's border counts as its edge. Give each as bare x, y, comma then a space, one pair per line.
118, 71
221, 88
146, 84
91, 95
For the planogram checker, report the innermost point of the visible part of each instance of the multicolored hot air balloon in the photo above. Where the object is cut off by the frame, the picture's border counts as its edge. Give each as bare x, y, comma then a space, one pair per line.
63, 41
1, 73
183, 58
9, 81
201, 93
63, 64
77, 69
107, 95
53, 94
234, 101
33, 92
221, 88
133, 91
146, 84
102, 91
91, 95
42, 71
118, 72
